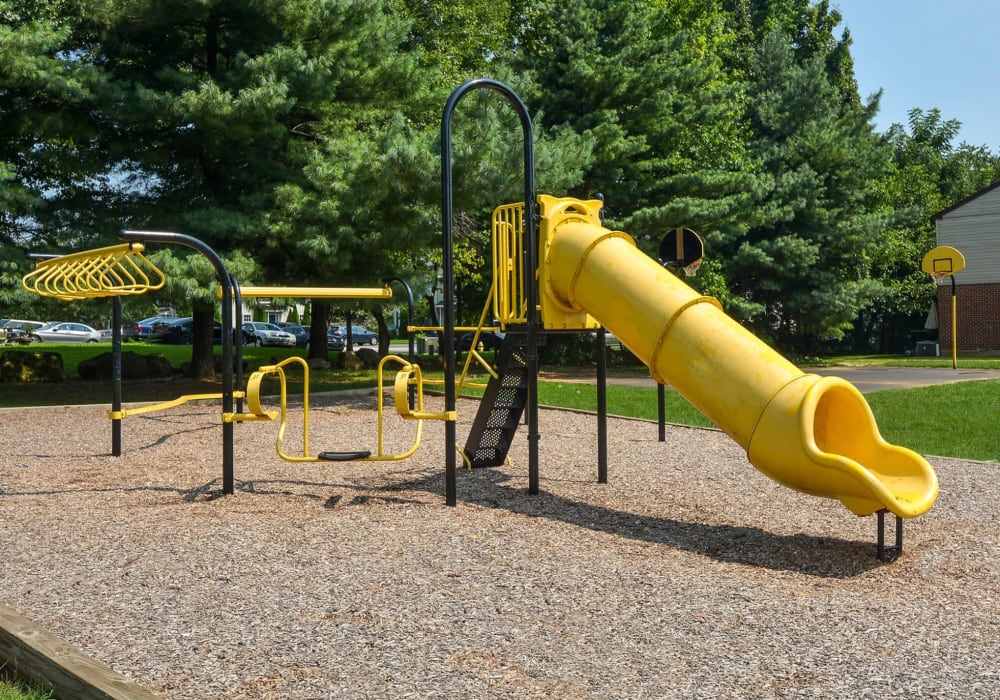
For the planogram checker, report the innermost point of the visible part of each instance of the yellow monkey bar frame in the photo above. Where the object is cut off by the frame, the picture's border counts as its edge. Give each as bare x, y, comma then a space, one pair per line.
316, 292
116, 270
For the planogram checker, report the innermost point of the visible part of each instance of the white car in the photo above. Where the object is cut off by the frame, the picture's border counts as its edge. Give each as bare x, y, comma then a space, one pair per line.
61, 332
258, 333
14, 329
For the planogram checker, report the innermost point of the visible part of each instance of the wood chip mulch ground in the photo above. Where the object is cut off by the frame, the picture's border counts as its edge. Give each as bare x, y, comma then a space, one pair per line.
689, 575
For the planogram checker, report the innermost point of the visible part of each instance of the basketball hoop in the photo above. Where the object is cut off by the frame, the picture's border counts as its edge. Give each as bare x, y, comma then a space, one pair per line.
692, 269
682, 248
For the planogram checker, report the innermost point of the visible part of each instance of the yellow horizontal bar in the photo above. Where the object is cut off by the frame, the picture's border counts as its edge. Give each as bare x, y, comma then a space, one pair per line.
316, 292
460, 329
117, 249
173, 403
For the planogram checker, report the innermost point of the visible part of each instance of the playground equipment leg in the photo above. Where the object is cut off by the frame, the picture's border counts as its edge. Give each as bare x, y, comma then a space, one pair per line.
602, 407
888, 554
116, 375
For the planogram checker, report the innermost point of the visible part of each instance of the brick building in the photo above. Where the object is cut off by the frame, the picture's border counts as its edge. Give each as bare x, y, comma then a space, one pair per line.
972, 227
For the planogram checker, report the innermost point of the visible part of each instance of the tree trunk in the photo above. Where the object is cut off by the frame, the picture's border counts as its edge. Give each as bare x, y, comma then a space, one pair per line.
383, 330
317, 330
202, 357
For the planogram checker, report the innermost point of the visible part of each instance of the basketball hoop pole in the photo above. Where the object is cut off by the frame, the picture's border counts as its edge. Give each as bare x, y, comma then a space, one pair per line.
954, 321
954, 325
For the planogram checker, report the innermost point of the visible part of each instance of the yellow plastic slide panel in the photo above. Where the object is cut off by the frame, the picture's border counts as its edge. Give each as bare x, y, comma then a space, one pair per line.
816, 436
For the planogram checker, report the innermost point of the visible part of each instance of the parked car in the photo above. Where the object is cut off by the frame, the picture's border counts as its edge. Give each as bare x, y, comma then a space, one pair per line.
14, 330
65, 332
610, 341
179, 331
301, 333
359, 335
489, 340
259, 333
140, 329
334, 342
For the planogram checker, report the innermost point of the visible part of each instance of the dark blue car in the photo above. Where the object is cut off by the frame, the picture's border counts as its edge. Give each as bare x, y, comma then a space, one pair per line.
301, 333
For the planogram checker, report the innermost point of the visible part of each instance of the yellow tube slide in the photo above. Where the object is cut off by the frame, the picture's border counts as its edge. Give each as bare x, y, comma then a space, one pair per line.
810, 433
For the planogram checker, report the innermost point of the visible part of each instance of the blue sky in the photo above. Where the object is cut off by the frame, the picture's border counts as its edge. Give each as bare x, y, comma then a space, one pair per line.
930, 53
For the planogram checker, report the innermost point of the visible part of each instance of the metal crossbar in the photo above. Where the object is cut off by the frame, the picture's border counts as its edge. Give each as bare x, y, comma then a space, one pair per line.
118, 270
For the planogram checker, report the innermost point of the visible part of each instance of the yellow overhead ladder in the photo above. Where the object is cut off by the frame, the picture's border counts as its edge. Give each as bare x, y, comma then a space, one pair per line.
117, 270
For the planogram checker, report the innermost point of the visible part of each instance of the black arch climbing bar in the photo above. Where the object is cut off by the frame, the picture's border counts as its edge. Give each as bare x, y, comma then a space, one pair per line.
226, 283
530, 265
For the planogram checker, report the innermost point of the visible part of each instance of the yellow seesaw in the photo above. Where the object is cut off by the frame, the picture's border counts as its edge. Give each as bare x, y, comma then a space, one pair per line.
408, 375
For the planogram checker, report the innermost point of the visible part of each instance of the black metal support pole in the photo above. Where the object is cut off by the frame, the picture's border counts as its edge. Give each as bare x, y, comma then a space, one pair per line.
530, 265
661, 412
225, 282
116, 376
237, 335
888, 553
602, 406
411, 391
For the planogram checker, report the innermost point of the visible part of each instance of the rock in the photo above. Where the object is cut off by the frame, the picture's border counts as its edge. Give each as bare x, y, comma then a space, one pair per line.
349, 361
23, 367
134, 366
318, 363
364, 358
369, 357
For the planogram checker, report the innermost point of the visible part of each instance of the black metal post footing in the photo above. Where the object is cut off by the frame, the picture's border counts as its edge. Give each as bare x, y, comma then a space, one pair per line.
891, 553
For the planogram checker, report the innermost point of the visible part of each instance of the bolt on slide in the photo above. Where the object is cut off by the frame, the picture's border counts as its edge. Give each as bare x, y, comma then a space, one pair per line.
813, 434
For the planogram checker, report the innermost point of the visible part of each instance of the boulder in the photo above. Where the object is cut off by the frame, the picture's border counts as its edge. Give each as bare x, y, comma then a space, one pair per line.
134, 366
363, 358
369, 357
23, 366
318, 363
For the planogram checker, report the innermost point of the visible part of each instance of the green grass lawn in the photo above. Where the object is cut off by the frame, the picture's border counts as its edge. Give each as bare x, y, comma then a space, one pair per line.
950, 420
931, 420
13, 689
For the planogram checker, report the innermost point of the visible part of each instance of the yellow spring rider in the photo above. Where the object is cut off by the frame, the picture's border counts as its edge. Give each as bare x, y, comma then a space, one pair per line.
408, 375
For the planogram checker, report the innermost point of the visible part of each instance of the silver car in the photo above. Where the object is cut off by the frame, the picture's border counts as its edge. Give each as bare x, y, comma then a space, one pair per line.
258, 333
62, 332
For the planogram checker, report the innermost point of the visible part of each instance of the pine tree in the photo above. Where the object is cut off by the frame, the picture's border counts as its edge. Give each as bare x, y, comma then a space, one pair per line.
47, 166
801, 270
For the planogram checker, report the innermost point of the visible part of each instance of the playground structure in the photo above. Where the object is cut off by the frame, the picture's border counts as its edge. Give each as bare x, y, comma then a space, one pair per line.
812, 434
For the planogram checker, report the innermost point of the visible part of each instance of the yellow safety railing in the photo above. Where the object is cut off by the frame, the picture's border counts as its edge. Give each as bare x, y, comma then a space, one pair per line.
473, 353
510, 303
117, 270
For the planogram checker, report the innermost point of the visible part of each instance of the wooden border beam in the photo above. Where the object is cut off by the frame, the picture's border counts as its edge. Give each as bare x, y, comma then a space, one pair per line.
40, 657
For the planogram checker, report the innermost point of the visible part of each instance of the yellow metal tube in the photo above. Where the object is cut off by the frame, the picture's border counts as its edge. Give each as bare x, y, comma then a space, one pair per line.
316, 292
811, 433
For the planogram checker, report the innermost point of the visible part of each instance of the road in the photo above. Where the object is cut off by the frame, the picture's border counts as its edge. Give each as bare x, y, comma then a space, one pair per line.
866, 379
